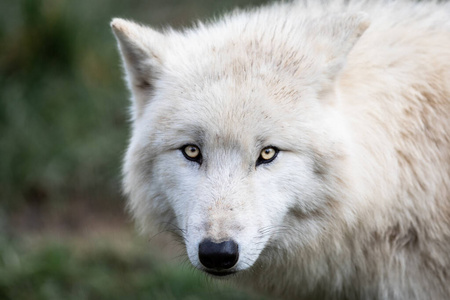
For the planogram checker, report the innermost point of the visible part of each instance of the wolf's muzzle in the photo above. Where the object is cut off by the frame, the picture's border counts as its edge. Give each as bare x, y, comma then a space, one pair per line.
218, 258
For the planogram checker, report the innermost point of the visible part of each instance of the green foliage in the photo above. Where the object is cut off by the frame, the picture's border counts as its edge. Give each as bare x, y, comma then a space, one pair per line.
63, 107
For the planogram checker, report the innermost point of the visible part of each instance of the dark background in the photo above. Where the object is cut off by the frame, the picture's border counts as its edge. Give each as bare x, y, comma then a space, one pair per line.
63, 131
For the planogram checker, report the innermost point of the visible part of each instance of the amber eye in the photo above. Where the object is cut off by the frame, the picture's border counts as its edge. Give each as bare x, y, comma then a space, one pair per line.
267, 155
192, 152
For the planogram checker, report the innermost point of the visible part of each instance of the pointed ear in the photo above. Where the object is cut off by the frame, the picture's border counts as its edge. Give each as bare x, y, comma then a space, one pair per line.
344, 30
142, 54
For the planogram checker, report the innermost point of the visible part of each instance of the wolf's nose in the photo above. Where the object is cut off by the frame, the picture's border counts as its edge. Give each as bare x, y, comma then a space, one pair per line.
218, 256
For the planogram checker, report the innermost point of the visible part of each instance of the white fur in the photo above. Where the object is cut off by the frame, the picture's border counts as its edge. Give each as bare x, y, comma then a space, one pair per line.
357, 98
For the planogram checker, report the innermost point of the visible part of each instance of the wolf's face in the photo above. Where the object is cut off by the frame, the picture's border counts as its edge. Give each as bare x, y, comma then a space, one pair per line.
228, 164
232, 143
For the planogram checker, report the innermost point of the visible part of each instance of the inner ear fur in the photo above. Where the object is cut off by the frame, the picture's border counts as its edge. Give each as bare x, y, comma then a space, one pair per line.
331, 38
141, 53
344, 31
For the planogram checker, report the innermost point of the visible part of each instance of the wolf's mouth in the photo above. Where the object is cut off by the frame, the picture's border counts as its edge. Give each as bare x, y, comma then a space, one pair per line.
220, 273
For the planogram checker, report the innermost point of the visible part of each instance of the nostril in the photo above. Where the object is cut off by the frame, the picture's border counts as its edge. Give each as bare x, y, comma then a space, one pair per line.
218, 256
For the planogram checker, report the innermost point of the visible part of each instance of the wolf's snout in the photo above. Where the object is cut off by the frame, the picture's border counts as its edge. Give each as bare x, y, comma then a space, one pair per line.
218, 256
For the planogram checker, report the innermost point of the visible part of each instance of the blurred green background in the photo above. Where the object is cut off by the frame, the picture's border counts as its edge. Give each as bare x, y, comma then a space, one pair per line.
63, 132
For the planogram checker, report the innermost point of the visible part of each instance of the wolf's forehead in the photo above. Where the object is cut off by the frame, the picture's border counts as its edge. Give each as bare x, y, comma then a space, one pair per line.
230, 109
223, 111
236, 91
239, 53
244, 60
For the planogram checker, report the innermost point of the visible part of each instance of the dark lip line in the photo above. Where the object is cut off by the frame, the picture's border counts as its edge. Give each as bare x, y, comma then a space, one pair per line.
220, 273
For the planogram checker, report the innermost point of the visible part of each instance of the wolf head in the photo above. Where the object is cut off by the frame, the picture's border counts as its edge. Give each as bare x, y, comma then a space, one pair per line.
237, 140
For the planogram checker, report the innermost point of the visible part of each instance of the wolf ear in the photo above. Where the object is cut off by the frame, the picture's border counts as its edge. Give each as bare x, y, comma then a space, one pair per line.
141, 51
344, 31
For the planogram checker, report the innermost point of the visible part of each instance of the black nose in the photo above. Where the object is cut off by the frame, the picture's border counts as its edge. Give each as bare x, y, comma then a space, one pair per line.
218, 256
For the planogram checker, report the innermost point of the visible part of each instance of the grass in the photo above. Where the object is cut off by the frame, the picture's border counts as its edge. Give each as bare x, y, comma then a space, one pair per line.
56, 269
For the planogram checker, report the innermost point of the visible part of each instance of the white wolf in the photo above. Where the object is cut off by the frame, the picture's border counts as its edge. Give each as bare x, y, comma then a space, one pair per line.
304, 148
